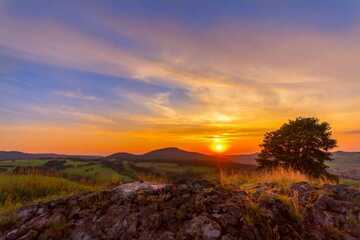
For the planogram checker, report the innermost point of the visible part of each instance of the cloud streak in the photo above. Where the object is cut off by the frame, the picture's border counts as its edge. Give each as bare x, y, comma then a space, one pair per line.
75, 95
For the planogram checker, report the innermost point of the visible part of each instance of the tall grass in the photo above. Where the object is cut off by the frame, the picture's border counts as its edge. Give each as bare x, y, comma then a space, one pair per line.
17, 190
280, 176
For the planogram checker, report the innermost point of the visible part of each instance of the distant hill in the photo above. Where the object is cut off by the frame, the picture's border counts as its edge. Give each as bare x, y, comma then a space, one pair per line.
249, 159
342, 159
123, 156
171, 153
176, 154
353, 157
15, 155
346, 165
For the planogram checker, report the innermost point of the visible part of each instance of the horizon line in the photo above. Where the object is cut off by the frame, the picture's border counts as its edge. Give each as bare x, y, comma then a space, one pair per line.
148, 151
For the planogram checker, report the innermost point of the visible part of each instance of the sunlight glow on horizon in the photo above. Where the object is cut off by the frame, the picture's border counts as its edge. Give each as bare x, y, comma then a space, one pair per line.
219, 145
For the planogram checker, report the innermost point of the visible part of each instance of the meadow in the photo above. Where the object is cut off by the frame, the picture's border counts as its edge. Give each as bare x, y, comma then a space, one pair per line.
19, 190
24, 182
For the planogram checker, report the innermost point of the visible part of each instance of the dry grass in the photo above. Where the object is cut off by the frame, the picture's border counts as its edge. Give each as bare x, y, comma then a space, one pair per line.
281, 177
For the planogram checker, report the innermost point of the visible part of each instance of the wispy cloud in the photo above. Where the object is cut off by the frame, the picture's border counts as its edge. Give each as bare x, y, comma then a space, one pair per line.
352, 132
77, 116
75, 95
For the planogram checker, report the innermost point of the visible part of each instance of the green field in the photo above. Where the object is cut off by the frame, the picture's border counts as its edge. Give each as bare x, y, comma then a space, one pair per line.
26, 181
11, 164
95, 172
106, 173
174, 167
84, 171
49, 179
17, 190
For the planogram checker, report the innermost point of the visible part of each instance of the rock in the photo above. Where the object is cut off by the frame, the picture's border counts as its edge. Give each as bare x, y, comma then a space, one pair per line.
330, 215
79, 235
130, 188
303, 193
326, 203
30, 235
26, 213
167, 235
14, 234
343, 192
192, 210
204, 228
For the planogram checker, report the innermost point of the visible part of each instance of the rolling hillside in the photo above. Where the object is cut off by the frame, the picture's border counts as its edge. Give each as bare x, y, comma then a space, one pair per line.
15, 155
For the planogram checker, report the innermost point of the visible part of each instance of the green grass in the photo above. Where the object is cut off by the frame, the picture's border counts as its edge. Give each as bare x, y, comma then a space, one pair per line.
85, 171
128, 171
17, 190
175, 168
350, 182
75, 163
8, 165
163, 166
96, 173
168, 172
30, 163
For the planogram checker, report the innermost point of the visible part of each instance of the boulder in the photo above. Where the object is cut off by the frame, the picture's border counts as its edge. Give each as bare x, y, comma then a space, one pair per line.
192, 210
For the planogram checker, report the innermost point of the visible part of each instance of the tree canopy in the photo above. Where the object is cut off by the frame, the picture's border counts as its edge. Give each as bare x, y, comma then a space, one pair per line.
302, 144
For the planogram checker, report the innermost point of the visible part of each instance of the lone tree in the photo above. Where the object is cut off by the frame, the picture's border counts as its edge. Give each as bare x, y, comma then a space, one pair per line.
302, 144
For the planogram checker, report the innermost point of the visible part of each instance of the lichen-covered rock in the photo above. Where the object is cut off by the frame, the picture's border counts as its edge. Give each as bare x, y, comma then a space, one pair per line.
303, 193
202, 227
193, 210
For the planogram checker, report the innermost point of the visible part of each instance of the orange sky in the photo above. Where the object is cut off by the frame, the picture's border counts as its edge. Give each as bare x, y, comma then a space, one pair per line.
88, 140
92, 78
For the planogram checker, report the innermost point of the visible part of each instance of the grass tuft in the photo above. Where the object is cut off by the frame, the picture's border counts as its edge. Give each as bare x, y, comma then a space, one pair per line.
281, 177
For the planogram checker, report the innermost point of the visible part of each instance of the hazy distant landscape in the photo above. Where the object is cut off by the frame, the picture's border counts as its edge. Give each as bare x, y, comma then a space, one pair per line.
121, 167
168, 162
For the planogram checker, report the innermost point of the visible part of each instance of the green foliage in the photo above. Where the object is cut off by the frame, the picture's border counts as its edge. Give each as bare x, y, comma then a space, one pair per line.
303, 145
171, 171
350, 182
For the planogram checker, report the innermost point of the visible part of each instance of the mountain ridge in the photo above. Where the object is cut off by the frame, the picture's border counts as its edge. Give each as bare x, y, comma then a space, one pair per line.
18, 155
168, 153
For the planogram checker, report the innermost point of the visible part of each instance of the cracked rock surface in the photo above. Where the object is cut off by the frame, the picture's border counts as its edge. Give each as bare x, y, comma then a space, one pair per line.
193, 210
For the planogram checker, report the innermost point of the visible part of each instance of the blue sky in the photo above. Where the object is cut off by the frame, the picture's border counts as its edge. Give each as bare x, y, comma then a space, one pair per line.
104, 76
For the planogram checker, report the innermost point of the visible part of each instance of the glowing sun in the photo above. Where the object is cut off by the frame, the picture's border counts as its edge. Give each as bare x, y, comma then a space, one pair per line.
219, 145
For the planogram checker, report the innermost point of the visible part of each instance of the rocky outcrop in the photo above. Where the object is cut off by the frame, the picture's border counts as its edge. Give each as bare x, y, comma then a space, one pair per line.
193, 210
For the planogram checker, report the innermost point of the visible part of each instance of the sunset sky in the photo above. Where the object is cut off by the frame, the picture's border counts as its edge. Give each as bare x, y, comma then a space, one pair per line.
98, 77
